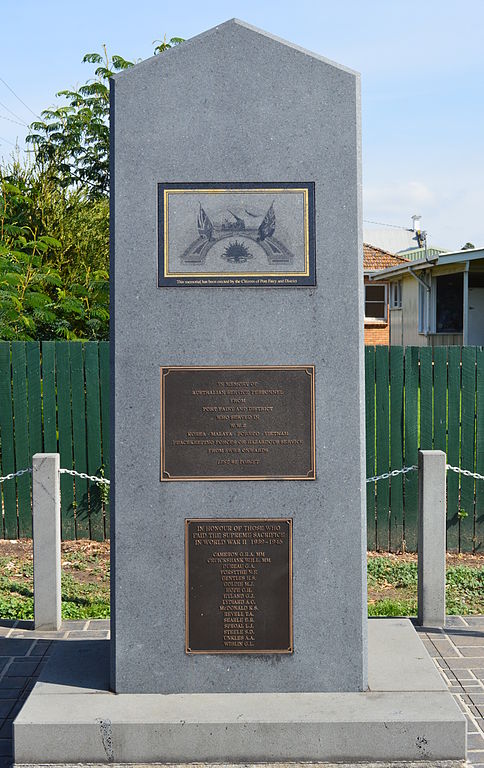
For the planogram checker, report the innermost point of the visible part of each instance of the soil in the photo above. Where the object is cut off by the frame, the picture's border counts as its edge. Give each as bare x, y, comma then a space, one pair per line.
452, 558
91, 556
88, 562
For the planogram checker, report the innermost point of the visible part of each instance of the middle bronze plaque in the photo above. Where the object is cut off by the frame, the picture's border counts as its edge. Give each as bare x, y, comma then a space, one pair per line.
238, 582
228, 423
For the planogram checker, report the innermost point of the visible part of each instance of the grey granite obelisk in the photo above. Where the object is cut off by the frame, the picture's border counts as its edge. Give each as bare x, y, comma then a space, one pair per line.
237, 105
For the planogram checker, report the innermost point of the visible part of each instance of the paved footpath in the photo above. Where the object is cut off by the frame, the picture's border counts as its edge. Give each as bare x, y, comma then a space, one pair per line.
458, 652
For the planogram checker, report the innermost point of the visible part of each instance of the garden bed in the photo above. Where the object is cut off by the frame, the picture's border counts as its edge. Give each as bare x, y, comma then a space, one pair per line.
392, 581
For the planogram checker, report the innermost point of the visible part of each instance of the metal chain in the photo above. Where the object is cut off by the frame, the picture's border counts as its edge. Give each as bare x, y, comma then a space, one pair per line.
101, 480
15, 474
393, 473
465, 472
384, 476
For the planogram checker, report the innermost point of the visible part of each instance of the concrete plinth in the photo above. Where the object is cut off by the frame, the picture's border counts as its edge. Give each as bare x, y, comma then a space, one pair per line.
407, 714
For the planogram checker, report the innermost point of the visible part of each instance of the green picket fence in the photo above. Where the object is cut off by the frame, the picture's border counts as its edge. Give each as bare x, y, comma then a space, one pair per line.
54, 397
432, 399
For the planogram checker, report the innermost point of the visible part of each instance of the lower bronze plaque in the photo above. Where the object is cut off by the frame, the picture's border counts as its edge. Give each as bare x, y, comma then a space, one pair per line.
251, 423
238, 584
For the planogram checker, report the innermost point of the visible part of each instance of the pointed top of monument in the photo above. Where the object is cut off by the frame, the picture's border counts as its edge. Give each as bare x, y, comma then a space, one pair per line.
228, 27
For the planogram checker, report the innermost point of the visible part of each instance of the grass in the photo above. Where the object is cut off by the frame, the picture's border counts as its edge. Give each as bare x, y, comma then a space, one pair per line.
392, 582
85, 580
392, 585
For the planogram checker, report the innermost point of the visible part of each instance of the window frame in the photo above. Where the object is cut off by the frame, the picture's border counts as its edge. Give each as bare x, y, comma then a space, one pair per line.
372, 319
396, 294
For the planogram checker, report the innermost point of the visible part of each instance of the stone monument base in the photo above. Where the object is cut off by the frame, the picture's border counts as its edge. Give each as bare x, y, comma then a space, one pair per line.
406, 715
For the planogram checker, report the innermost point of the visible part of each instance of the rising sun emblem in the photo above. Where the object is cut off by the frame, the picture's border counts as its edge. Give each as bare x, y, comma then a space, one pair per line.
236, 253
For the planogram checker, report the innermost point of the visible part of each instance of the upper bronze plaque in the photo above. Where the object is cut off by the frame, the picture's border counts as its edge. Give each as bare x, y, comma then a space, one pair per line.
238, 234
227, 423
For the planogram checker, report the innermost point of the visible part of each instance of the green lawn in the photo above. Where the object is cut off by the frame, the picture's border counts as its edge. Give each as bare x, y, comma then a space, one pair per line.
392, 582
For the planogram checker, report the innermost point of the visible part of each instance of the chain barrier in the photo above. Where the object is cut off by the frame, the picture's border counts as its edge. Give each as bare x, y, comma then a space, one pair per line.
15, 474
465, 472
384, 476
100, 480
393, 473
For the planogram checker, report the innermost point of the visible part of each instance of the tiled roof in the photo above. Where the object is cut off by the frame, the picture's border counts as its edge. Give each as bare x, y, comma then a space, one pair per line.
375, 258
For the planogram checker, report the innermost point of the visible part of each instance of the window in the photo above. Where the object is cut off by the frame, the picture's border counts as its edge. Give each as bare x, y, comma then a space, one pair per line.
376, 302
449, 303
396, 295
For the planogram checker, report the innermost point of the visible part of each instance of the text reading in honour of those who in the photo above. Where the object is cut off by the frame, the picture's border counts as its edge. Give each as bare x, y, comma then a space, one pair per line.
239, 571
241, 443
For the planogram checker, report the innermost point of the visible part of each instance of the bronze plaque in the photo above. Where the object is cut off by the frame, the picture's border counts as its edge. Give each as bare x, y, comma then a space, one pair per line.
228, 423
238, 584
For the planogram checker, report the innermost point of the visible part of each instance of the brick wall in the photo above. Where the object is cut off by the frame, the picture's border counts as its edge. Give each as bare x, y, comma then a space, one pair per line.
377, 333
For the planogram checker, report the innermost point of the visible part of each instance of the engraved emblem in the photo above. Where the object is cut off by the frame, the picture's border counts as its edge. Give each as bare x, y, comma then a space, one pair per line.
237, 253
248, 225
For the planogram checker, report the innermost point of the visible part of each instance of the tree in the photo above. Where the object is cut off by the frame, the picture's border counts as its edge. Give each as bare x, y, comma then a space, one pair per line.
54, 217
72, 139
54, 247
467, 247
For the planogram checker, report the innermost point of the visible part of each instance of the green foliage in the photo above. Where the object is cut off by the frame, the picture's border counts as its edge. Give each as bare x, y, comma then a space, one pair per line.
385, 571
393, 608
54, 258
72, 139
464, 588
54, 217
79, 601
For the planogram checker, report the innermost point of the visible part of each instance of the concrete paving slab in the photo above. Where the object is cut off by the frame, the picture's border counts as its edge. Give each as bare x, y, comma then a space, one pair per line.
76, 666
62, 722
209, 727
395, 764
407, 667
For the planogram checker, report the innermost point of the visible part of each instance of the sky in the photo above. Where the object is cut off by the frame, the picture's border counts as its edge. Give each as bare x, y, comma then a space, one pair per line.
422, 67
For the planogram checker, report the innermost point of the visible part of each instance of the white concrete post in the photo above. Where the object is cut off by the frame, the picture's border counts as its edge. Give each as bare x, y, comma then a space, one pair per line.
431, 538
47, 540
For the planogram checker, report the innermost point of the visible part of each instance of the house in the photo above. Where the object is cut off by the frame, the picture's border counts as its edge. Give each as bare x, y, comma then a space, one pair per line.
435, 301
376, 294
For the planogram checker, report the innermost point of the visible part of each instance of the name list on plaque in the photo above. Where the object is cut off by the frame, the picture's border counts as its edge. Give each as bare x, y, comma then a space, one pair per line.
227, 423
238, 585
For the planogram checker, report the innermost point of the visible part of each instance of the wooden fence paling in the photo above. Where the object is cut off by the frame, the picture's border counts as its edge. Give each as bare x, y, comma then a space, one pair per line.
94, 461
10, 524
426, 387
467, 447
48, 397
79, 438
479, 530
440, 399
453, 445
64, 421
370, 445
23, 456
411, 445
382, 446
396, 447
105, 420
35, 397
55, 397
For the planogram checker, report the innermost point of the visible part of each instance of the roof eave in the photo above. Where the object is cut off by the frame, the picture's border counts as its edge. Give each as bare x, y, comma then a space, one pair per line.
400, 269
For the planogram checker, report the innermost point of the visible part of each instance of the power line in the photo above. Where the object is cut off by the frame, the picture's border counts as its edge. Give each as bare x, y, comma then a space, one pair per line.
4, 117
2, 138
382, 224
18, 97
12, 113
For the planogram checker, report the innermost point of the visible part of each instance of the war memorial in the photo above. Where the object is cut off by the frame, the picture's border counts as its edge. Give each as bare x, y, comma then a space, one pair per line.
239, 628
